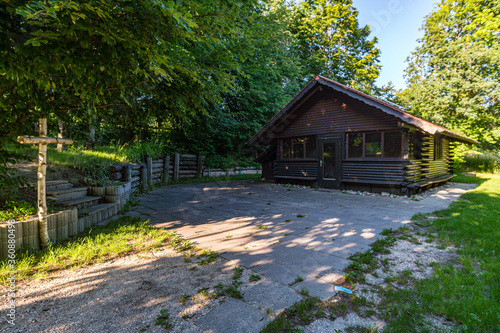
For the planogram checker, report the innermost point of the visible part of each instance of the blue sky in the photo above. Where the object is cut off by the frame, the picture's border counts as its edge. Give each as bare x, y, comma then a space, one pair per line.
396, 24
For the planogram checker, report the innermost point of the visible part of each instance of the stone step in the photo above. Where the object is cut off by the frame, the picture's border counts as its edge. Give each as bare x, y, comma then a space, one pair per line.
93, 215
51, 185
80, 202
69, 194
59, 187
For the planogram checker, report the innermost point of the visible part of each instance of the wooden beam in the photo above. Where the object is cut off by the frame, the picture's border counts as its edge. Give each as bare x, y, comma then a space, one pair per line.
43, 140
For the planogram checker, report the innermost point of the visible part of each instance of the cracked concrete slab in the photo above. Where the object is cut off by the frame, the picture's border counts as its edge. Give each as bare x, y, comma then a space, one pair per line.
233, 316
272, 295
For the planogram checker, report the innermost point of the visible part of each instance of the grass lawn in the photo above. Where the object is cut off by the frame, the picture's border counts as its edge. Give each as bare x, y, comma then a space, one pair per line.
122, 236
467, 293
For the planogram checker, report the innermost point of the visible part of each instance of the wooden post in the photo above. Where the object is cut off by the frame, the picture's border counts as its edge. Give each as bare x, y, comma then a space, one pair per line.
166, 168
42, 173
176, 166
199, 167
144, 177
149, 165
127, 173
42, 142
62, 133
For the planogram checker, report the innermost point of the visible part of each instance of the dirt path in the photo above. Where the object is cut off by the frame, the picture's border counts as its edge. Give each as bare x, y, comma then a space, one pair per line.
124, 295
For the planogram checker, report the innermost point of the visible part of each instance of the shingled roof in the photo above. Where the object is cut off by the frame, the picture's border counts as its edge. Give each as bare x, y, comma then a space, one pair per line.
266, 132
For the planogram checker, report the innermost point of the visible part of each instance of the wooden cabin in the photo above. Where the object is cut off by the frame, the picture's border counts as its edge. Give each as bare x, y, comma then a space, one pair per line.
334, 136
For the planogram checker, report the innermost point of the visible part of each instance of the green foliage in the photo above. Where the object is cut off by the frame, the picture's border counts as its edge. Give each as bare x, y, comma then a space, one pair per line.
18, 210
227, 162
254, 278
331, 42
482, 161
163, 319
452, 76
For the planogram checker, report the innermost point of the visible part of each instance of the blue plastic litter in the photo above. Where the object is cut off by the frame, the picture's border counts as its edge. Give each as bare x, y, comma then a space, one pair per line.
337, 288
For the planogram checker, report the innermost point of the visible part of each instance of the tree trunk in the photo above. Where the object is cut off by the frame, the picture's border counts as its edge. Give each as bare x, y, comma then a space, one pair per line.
91, 135
42, 172
62, 133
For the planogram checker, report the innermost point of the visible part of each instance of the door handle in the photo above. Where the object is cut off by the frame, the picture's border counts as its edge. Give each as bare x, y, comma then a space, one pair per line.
320, 163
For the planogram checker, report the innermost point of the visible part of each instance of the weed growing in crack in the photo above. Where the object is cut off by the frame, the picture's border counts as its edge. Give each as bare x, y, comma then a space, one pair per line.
163, 319
297, 280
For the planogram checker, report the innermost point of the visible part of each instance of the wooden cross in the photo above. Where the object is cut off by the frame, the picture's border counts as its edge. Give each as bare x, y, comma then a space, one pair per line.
42, 142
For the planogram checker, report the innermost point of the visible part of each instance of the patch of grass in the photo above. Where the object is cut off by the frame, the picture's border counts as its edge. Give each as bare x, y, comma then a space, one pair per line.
338, 310
306, 310
262, 227
163, 319
297, 280
125, 235
304, 292
207, 257
254, 278
281, 325
237, 272
366, 262
233, 291
300, 313
467, 179
466, 295
300, 215
387, 232
184, 298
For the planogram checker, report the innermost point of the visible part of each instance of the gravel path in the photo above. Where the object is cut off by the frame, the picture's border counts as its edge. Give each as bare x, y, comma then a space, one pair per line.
124, 295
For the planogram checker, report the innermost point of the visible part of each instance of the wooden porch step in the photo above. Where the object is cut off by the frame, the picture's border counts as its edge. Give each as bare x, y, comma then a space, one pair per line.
430, 181
81, 202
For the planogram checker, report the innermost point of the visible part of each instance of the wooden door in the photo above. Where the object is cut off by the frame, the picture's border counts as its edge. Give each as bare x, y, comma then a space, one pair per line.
330, 159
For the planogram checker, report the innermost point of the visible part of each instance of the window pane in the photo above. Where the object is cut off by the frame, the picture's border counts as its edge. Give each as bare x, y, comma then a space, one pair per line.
392, 144
355, 145
286, 148
373, 145
310, 147
298, 148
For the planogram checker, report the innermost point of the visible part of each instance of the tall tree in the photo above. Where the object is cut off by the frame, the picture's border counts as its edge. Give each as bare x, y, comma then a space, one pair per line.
332, 43
269, 74
453, 76
77, 59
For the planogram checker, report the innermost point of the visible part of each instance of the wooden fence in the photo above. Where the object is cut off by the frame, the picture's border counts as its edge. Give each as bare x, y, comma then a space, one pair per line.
158, 169
163, 168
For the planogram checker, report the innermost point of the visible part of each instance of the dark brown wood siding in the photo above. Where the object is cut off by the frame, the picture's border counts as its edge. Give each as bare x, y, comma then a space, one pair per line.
296, 169
369, 171
337, 112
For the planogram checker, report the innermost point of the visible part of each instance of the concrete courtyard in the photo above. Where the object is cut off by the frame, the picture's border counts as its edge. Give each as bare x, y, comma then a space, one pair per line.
284, 232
